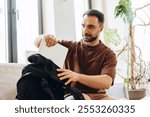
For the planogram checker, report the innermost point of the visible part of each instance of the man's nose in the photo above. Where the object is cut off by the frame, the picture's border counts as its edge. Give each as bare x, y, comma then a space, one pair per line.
85, 29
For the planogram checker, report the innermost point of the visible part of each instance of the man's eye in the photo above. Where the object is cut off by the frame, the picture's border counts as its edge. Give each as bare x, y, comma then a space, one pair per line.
91, 27
83, 25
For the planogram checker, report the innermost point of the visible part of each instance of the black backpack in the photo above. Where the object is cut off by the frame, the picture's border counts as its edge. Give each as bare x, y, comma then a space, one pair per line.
39, 81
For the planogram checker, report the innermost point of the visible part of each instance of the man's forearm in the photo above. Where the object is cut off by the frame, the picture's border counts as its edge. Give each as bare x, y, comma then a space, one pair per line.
96, 81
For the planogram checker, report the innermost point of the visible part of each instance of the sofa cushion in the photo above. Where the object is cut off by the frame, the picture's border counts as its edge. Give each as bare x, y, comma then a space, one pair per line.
9, 75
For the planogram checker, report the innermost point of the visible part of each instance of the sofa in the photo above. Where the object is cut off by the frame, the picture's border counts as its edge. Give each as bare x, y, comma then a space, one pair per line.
11, 72
9, 75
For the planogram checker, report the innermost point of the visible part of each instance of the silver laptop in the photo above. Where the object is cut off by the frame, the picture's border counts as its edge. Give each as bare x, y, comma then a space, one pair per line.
55, 53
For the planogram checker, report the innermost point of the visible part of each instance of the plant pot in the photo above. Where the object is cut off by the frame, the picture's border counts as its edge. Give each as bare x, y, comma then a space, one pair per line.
137, 94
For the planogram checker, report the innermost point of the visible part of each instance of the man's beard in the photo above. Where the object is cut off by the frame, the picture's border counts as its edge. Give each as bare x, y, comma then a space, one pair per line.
88, 38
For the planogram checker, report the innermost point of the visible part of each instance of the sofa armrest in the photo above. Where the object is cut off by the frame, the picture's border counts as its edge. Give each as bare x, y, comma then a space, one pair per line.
9, 75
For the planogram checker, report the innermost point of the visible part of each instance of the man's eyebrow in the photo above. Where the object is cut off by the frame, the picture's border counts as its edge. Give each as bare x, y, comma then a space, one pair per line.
88, 25
91, 25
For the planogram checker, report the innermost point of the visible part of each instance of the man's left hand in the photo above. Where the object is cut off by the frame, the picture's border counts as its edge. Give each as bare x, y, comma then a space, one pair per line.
68, 74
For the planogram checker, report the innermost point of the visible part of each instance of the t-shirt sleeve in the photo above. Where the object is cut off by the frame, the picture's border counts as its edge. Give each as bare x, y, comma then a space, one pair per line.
109, 66
66, 43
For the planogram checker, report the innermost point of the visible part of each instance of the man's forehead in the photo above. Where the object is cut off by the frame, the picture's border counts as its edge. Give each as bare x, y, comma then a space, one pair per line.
90, 20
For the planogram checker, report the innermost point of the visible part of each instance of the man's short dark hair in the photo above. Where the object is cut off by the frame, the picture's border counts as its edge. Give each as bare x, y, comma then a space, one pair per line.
96, 13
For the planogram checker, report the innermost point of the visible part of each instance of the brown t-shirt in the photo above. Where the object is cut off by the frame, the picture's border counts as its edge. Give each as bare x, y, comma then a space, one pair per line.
89, 60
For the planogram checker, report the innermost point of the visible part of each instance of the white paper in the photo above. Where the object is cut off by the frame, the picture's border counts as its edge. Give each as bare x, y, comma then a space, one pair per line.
55, 53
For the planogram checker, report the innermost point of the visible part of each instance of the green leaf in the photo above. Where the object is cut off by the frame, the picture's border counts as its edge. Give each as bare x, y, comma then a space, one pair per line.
126, 81
124, 10
111, 36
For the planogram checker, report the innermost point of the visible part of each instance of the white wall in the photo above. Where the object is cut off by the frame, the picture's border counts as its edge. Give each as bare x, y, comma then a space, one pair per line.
59, 18
48, 16
79, 10
64, 19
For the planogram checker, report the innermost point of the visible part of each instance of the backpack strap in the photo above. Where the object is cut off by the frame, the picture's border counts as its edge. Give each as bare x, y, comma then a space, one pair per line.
47, 89
74, 92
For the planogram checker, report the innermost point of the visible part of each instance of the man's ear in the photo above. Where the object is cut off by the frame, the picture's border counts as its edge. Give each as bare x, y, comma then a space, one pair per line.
101, 28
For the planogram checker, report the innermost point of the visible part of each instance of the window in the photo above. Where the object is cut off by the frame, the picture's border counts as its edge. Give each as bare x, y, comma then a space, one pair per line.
27, 27
19, 26
3, 37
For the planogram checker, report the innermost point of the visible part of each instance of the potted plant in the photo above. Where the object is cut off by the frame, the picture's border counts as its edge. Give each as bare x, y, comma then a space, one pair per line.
136, 80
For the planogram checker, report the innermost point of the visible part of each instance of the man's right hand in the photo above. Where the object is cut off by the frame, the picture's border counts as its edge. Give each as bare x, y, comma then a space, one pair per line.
50, 40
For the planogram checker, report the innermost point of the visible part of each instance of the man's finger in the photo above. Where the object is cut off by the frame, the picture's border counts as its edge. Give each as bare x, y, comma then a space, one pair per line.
61, 70
68, 81
63, 78
62, 74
